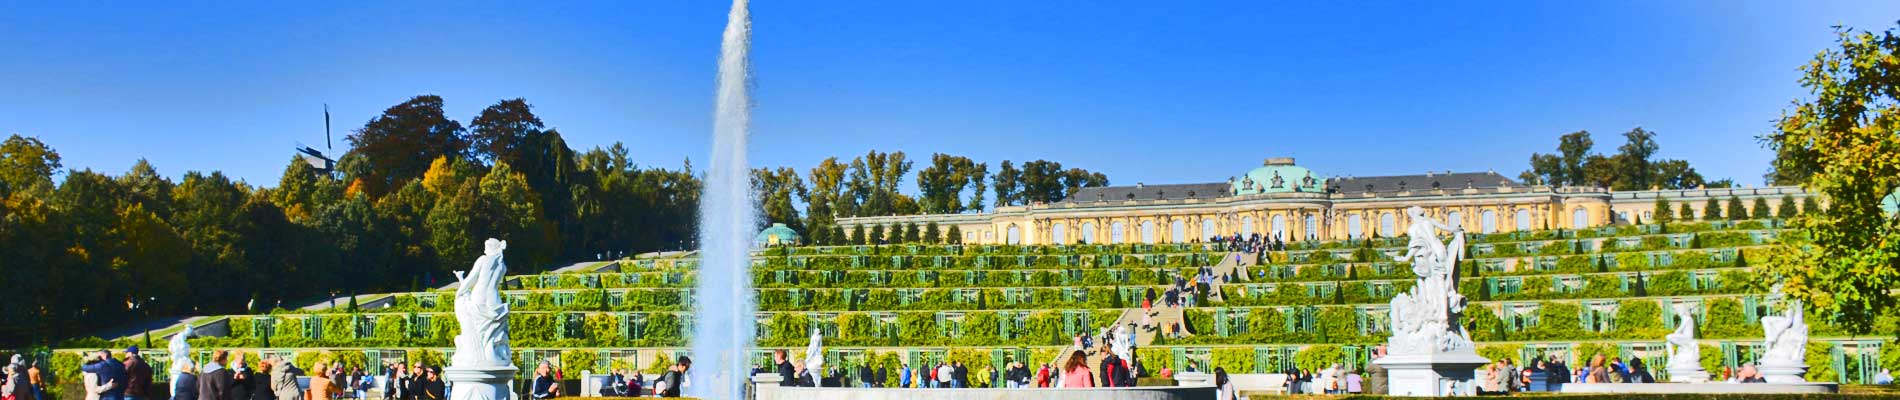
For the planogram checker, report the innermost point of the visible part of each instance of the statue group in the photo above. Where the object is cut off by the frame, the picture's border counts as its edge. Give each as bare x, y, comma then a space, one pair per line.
1429, 352
1425, 320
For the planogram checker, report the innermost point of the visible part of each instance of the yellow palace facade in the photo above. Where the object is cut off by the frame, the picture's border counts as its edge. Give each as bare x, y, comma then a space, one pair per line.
1281, 199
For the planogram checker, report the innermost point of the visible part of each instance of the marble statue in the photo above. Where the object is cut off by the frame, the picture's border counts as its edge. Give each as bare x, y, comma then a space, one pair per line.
480, 310
180, 350
1429, 352
482, 368
1785, 343
1426, 319
1124, 345
815, 357
1685, 355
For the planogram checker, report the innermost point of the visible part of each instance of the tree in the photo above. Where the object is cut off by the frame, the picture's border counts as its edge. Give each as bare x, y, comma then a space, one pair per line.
1663, 213
1574, 148
1712, 210
1006, 184
776, 188
877, 235
931, 234
1846, 139
1786, 209
1687, 212
1600, 171
942, 183
1677, 174
27, 165
824, 198
857, 235
399, 145
910, 233
1546, 169
1636, 172
1736, 211
1809, 205
1760, 208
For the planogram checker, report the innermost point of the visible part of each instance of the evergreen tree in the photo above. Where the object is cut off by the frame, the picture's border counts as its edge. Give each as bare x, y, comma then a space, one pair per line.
1735, 209
1686, 213
837, 236
1809, 205
1787, 207
1664, 214
953, 235
1761, 210
858, 235
910, 233
932, 235
1712, 210
877, 235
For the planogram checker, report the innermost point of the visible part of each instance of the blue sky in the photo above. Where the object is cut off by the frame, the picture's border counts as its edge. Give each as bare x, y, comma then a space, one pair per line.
1156, 92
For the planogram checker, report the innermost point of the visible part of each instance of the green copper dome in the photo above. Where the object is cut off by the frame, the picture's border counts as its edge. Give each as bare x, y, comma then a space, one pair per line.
1278, 175
777, 234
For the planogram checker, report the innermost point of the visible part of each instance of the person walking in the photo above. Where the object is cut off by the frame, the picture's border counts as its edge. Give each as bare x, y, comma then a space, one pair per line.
903, 376
186, 386
1076, 374
216, 380
1223, 388
261, 382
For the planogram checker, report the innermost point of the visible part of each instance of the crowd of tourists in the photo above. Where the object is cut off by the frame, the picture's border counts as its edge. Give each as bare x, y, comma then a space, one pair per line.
619, 382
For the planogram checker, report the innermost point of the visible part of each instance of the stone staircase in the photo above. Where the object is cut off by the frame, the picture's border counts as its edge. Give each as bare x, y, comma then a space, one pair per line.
1234, 263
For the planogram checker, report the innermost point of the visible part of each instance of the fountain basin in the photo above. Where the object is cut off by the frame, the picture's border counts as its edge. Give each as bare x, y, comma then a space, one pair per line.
1816, 388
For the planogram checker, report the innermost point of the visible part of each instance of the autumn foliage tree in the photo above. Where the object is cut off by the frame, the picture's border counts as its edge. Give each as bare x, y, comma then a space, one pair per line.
1843, 142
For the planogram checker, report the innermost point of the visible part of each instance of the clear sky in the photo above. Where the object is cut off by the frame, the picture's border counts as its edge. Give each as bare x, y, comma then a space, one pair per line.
1156, 92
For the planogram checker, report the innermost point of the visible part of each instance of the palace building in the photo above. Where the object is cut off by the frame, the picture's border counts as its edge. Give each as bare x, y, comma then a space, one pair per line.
1284, 200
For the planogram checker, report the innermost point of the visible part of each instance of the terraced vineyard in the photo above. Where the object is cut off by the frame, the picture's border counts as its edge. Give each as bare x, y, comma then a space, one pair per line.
1571, 294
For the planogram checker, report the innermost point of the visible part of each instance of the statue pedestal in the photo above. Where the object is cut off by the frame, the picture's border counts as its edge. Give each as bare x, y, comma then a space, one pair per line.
1777, 371
1433, 374
1691, 374
480, 383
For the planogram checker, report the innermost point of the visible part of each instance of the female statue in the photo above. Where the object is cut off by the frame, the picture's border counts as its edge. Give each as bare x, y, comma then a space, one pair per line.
481, 312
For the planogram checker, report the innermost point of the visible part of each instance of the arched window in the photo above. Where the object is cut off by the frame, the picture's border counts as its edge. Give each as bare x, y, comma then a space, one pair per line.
1354, 230
1455, 219
1279, 227
1088, 232
1312, 227
1579, 218
1013, 236
1246, 226
1115, 233
1388, 225
1488, 221
1178, 231
1207, 230
1059, 233
1147, 232
1523, 220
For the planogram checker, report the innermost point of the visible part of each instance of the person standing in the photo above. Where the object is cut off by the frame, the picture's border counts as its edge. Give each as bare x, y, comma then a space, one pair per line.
432, 386
883, 373
1355, 383
1044, 376
241, 383
138, 375
543, 386
903, 375
786, 373
261, 382
960, 375
216, 381
321, 386
283, 381
676, 378
186, 386
944, 374
1075, 373
111, 371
